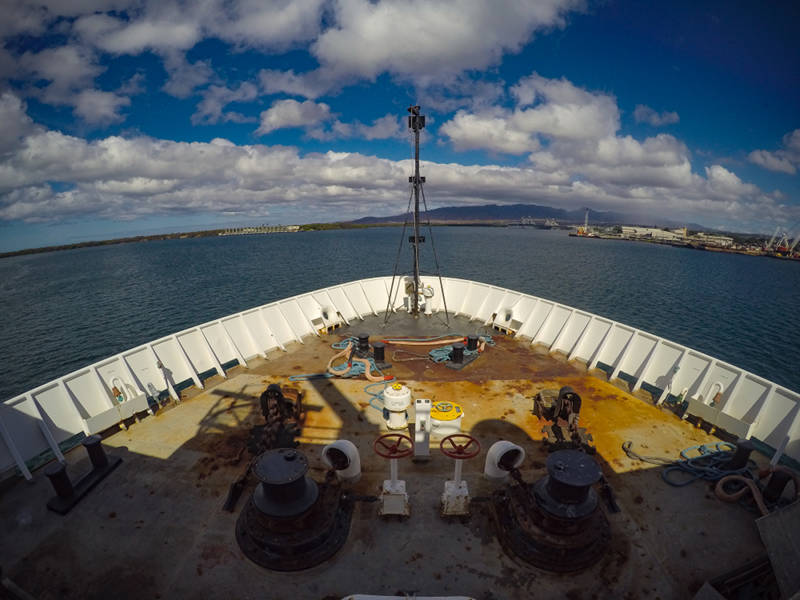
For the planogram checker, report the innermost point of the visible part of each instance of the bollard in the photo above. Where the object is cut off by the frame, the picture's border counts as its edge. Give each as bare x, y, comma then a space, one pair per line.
363, 342
457, 355
774, 488
740, 456
95, 450
57, 474
472, 342
67, 494
379, 351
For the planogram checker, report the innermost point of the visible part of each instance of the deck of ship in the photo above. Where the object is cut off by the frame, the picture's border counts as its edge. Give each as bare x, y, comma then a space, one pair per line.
155, 529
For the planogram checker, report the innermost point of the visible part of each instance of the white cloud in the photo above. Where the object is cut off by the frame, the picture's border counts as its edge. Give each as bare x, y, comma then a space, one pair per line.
660, 161
66, 69
367, 39
21, 17
216, 98
291, 113
387, 126
8, 65
463, 91
785, 160
134, 85
545, 108
163, 26
561, 110
16, 122
185, 77
309, 85
645, 114
571, 136
772, 161
127, 178
725, 183
171, 25
100, 108
69, 72
351, 39
487, 131
431, 48
268, 24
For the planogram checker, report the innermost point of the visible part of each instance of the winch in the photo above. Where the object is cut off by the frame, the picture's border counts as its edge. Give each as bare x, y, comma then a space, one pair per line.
560, 409
555, 523
291, 522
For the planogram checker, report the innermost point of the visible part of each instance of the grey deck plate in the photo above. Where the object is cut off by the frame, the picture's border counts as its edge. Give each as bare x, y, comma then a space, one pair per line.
780, 532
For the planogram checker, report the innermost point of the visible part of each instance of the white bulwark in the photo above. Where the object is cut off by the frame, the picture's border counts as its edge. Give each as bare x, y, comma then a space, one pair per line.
84, 401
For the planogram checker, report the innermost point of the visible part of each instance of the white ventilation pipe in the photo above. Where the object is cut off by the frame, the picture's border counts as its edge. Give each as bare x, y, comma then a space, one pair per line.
495, 469
331, 455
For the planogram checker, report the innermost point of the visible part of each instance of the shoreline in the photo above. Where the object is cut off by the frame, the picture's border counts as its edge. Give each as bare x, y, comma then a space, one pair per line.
350, 225
221, 232
688, 246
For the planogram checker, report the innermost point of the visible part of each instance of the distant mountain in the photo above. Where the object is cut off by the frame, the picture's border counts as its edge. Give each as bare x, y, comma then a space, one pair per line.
515, 212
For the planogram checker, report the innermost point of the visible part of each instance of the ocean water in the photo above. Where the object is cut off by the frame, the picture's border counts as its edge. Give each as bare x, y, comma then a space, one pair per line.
61, 311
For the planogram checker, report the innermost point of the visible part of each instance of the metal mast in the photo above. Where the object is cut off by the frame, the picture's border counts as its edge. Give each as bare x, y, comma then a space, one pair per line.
416, 122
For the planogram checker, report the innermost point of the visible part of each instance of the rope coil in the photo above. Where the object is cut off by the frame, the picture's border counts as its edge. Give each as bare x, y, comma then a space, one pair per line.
731, 485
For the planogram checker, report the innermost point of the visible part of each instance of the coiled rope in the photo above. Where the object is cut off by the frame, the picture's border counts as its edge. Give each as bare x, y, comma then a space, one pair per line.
705, 465
355, 367
734, 485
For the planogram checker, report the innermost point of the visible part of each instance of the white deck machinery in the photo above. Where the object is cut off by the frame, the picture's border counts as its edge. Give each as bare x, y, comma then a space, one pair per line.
434, 420
396, 400
422, 429
394, 498
446, 418
455, 498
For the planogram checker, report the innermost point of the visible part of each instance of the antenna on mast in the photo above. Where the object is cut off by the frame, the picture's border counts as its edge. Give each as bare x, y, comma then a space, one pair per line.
416, 122
414, 289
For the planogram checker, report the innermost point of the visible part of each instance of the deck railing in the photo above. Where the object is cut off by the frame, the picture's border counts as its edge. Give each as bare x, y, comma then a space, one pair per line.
85, 401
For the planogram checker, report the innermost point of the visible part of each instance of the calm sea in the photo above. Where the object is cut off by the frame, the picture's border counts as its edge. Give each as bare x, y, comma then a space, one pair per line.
64, 310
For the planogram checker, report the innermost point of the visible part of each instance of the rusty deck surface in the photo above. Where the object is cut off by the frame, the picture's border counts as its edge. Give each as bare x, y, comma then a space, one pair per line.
155, 528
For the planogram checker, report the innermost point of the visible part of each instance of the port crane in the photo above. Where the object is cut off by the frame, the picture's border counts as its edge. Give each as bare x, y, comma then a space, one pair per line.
794, 243
585, 229
772, 239
783, 244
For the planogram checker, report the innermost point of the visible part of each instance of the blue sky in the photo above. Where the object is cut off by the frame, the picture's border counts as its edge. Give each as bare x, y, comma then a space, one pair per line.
125, 117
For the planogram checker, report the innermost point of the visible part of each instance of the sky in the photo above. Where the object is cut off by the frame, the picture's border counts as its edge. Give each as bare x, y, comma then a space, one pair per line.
128, 117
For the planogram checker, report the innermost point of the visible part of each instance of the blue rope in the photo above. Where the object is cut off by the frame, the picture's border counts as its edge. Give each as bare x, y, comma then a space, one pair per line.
343, 343
706, 465
376, 396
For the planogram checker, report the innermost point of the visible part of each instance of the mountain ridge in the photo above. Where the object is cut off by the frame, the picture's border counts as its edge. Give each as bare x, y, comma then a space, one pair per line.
515, 212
